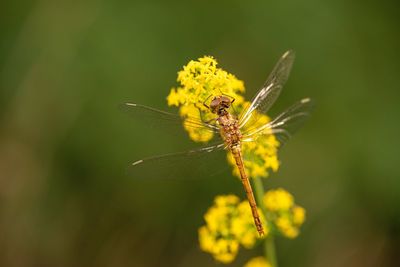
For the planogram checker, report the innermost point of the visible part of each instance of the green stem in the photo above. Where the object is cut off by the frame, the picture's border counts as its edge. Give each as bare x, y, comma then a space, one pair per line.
270, 251
269, 243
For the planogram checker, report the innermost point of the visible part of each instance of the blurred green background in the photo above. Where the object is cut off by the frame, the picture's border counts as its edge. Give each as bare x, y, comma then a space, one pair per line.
64, 143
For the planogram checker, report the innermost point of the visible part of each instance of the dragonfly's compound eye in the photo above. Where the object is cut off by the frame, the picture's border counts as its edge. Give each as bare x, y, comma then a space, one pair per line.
226, 101
214, 105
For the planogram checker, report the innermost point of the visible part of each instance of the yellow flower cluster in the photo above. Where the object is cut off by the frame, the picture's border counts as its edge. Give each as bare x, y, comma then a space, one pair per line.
229, 224
201, 80
283, 213
258, 262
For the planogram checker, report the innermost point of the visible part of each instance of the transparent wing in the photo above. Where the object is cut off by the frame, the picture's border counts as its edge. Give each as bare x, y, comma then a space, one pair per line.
155, 115
285, 124
271, 89
198, 162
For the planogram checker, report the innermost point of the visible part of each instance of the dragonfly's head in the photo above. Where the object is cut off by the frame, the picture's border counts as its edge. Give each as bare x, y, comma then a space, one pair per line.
220, 104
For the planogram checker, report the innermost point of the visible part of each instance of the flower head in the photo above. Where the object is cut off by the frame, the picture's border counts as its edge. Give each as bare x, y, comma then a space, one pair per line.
229, 223
201, 80
285, 215
278, 199
258, 262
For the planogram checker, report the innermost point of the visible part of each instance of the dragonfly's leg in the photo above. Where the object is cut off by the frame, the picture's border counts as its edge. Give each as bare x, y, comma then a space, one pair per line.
206, 121
204, 103
209, 121
233, 107
202, 115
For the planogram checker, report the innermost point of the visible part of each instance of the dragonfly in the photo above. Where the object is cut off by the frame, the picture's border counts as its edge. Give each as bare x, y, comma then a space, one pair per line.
233, 130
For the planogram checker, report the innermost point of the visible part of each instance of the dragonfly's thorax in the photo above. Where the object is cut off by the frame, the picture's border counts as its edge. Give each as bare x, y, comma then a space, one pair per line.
229, 127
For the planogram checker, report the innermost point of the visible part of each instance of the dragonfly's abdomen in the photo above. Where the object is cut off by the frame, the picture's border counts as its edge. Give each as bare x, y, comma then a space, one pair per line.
236, 152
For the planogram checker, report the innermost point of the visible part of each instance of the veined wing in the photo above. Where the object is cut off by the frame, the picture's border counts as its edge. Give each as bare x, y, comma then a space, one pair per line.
173, 165
285, 124
271, 89
145, 111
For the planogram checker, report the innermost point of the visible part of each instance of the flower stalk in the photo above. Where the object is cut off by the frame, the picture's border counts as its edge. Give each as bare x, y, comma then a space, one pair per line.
269, 242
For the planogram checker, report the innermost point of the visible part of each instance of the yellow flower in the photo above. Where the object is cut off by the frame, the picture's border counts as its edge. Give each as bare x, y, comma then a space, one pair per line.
206, 239
286, 227
174, 98
217, 216
258, 262
215, 237
223, 250
226, 250
278, 199
299, 215
228, 225
201, 80
283, 213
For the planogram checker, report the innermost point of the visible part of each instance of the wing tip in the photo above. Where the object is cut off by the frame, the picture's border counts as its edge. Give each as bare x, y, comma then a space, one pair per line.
308, 102
288, 53
136, 162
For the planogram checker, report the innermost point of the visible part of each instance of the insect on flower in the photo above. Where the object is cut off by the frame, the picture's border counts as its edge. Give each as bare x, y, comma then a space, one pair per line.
234, 130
